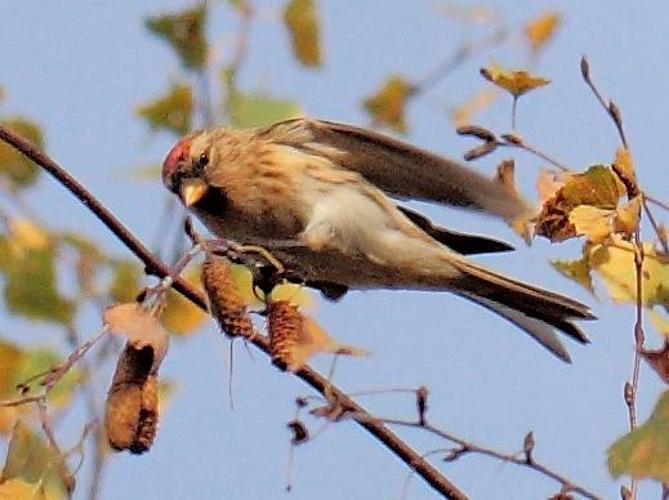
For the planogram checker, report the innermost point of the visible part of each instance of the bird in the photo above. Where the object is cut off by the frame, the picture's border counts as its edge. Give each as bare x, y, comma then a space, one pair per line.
325, 199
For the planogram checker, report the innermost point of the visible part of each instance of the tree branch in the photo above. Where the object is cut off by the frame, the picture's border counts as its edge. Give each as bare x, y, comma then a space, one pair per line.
155, 266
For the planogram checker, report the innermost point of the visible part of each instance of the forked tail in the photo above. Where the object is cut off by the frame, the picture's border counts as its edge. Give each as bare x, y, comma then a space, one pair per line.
535, 310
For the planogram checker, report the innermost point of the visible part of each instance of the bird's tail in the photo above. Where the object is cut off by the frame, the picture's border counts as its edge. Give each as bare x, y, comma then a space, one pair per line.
535, 310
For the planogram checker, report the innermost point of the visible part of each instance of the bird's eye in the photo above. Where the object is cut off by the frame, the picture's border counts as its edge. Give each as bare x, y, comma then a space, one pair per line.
203, 160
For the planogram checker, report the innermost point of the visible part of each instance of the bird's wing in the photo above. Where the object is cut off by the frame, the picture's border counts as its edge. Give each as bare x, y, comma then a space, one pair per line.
463, 243
402, 170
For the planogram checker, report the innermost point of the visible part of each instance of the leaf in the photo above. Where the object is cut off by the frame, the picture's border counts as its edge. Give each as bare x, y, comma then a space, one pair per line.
541, 29
14, 166
89, 260
295, 338
172, 112
30, 288
387, 105
256, 110
464, 113
659, 360
597, 187
28, 235
40, 360
615, 265
124, 285
593, 222
627, 217
623, 166
16, 489
30, 459
577, 270
301, 19
185, 32
181, 316
516, 82
11, 359
660, 322
644, 452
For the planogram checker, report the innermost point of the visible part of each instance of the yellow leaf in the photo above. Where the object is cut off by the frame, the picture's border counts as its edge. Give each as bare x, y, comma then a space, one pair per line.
627, 217
387, 105
595, 223
660, 322
644, 452
516, 82
180, 315
624, 167
301, 18
16, 489
28, 235
597, 187
464, 113
541, 29
615, 265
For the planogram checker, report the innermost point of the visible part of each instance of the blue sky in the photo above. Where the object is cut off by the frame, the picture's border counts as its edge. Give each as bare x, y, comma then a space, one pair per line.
80, 68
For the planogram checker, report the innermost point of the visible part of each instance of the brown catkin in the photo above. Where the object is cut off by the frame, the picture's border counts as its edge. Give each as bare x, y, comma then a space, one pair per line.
225, 303
285, 326
131, 411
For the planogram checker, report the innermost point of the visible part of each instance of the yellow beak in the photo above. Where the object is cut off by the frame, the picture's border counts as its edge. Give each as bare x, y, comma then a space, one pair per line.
192, 191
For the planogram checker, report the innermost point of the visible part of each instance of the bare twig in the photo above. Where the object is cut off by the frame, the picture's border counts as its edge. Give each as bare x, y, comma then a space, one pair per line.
522, 459
651, 218
611, 108
512, 140
156, 267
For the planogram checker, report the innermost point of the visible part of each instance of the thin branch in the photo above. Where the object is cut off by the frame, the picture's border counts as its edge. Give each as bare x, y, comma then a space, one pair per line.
156, 267
610, 107
521, 459
657, 202
662, 237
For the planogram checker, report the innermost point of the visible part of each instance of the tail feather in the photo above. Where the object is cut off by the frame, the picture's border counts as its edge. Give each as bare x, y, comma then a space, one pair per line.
537, 311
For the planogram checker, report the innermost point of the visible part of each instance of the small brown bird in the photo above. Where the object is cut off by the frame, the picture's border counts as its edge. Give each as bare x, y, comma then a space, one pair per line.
319, 196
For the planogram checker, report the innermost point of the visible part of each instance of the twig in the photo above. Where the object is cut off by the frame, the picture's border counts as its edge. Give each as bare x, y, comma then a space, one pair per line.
656, 227
610, 107
522, 459
156, 267
512, 140
657, 202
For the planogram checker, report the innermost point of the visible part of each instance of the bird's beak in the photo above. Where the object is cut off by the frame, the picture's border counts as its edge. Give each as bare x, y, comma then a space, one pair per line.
192, 191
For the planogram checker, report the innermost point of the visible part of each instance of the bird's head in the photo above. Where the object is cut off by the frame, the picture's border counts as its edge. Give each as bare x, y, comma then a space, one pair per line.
183, 170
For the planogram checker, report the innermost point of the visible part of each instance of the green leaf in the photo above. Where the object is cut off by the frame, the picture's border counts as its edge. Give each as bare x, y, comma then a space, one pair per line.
30, 459
15, 167
125, 281
301, 19
184, 31
255, 110
30, 288
387, 105
172, 112
644, 452
577, 270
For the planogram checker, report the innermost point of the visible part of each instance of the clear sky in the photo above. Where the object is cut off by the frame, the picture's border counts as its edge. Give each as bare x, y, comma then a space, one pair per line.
80, 68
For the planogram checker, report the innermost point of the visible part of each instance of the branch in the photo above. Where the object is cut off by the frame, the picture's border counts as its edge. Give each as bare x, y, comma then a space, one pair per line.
524, 459
155, 266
